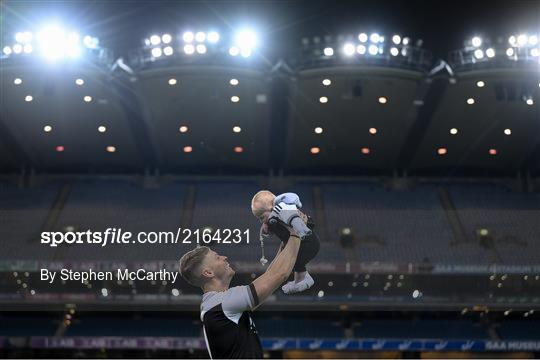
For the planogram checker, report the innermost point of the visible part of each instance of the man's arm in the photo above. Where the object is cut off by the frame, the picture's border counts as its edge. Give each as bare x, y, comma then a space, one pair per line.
275, 257
279, 271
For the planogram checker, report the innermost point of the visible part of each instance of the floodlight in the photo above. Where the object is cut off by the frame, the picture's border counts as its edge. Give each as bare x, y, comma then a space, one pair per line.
363, 37
189, 49
188, 36
479, 54
361, 49
374, 38
52, 42
90, 42
373, 49
201, 49
155, 40
396, 39
490, 52
200, 36
23, 37
328, 51
394, 51
168, 51
522, 40
476, 41
213, 37
156, 52
245, 39
348, 49
166, 38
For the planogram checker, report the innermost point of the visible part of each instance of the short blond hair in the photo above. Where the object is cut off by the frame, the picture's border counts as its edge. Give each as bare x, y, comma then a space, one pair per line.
190, 265
261, 202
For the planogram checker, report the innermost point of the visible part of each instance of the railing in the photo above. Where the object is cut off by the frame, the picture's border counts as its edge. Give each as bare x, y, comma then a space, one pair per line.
403, 57
465, 59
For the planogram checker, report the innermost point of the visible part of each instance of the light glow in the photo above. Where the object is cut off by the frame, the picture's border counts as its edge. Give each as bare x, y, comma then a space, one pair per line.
348, 49
213, 37
188, 37
189, 49
476, 41
155, 40
166, 38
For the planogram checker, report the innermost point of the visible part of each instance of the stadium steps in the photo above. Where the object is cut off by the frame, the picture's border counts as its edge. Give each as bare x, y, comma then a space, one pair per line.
51, 224
319, 213
56, 209
189, 207
460, 236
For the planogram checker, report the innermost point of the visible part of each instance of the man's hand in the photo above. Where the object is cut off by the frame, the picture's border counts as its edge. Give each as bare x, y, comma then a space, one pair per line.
303, 216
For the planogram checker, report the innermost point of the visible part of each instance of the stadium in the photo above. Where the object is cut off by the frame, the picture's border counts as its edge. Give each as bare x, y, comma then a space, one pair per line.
134, 132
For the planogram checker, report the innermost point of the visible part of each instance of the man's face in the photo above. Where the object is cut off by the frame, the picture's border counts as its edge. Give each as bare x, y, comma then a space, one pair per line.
219, 266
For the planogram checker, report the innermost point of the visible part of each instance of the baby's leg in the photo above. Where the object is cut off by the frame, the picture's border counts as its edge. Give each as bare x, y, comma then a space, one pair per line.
302, 280
309, 248
299, 276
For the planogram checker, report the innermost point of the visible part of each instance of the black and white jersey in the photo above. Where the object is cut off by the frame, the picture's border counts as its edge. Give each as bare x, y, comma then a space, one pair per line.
228, 328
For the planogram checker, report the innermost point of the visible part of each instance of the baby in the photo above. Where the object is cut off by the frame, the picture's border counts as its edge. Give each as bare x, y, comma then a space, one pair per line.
261, 207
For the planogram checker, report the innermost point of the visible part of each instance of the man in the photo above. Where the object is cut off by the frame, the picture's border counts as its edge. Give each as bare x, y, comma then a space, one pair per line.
228, 328
261, 207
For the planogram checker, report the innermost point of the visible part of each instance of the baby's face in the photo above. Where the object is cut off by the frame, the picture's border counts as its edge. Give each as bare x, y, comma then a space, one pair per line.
266, 207
264, 220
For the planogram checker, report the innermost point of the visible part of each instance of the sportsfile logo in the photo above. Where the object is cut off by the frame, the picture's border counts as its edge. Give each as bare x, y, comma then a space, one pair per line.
119, 236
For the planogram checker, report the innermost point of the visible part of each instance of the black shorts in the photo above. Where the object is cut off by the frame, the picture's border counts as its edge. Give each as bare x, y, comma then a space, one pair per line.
309, 248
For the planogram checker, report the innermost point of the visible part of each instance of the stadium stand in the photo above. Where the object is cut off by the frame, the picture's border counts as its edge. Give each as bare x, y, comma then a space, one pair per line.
23, 214
510, 217
419, 228
98, 205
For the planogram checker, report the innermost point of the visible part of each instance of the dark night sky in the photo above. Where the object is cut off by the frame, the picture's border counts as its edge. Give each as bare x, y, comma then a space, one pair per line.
443, 25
